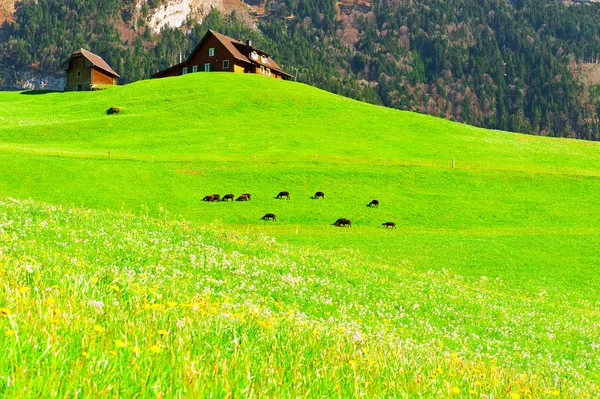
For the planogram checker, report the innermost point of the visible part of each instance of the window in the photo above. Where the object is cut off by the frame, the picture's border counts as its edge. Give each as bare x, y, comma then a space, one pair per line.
211, 52
262, 70
184, 71
268, 72
78, 73
207, 68
225, 64
263, 59
254, 55
195, 68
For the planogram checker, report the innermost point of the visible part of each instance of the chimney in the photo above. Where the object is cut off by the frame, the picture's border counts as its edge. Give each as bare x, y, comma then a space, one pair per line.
249, 43
180, 57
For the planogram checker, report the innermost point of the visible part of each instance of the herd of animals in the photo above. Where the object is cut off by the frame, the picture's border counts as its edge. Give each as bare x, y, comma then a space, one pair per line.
342, 222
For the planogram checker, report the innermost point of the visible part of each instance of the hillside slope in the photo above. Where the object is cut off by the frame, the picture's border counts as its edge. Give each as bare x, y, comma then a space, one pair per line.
510, 65
180, 139
494, 262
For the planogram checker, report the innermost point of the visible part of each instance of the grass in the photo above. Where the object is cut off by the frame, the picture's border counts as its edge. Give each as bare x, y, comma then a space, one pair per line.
499, 254
105, 304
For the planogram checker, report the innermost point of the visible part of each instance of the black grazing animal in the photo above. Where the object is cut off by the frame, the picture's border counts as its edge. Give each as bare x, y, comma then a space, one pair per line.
373, 203
269, 216
243, 197
319, 194
216, 197
343, 222
283, 194
249, 196
209, 198
389, 224
228, 197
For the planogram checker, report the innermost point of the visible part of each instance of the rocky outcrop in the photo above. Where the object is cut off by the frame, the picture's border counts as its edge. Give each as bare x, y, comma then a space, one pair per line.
30, 80
7, 11
175, 13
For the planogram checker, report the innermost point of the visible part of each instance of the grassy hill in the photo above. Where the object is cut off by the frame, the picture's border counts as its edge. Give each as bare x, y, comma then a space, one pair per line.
494, 262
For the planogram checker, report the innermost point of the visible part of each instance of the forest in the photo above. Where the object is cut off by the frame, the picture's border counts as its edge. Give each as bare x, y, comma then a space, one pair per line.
491, 63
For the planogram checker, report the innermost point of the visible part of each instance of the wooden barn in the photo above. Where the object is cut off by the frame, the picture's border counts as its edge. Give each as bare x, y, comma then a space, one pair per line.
85, 70
219, 53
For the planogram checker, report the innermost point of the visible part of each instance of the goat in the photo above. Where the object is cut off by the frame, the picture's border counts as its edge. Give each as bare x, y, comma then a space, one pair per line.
319, 194
269, 216
343, 222
283, 194
373, 203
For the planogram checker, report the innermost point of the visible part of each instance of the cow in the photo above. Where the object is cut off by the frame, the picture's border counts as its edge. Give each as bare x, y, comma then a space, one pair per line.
243, 197
319, 194
228, 197
216, 197
211, 198
343, 222
283, 194
248, 195
373, 203
269, 216
388, 224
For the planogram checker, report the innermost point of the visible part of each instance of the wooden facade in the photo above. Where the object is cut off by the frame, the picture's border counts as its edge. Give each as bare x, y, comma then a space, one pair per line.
85, 70
220, 53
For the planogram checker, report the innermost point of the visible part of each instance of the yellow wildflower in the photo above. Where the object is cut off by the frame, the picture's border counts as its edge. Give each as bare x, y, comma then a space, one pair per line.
98, 328
120, 343
9, 333
163, 333
472, 392
24, 290
4, 312
515, 396
112, 353
352, 363
172, 304
84, 353
135, 350
155, 349
478, 383
455, 390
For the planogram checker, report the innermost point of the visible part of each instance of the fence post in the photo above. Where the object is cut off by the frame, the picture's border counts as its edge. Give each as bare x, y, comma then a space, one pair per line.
109, 153
452, 163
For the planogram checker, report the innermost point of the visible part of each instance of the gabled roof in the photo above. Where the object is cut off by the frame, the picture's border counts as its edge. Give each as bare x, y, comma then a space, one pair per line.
96, 61
239, 51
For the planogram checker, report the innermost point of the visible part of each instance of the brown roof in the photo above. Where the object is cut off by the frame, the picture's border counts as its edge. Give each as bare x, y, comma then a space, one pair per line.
96, 60
237, 50
234, 47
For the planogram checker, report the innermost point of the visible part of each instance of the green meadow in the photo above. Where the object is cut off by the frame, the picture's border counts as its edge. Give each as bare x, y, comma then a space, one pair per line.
117, 280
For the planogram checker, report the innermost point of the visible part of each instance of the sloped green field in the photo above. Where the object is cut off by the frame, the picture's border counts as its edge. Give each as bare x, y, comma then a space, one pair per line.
493, 266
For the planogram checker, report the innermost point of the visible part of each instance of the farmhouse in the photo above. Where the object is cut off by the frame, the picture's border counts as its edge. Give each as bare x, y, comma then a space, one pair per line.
85, 70
217, 52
